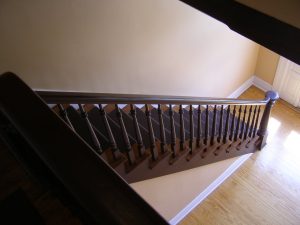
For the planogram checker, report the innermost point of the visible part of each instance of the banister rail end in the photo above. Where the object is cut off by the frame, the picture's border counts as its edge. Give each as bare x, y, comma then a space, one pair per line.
272, 95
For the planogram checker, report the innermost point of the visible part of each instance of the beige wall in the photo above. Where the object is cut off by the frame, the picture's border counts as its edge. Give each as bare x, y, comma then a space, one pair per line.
266, 66
118, 46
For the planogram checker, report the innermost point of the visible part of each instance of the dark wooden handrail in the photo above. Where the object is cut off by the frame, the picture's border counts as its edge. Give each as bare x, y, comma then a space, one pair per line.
94, 185
95, 98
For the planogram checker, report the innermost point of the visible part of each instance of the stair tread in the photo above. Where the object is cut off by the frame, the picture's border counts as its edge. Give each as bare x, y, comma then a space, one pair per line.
82, 129
127, 121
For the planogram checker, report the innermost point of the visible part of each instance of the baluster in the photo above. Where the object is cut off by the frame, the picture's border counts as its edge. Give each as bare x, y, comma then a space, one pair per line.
63, 113
95, 141
252, 122
226, 125
248, 123
232, 124
237, 129
212, 138
252, 126
182, 130
216, 152
191, 129
141, 147
220, 124
173, 133
154, 153
256, 122
128, 150
206, 126
113, 145
243, 123
162, 131
199, 127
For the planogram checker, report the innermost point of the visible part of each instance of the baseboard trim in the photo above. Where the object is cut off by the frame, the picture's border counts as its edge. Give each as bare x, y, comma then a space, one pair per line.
261, 84
253, 80
230, 170
247, 84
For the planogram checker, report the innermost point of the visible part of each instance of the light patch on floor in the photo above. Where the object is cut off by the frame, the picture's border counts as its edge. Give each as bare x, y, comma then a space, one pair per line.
273, 127
293, 141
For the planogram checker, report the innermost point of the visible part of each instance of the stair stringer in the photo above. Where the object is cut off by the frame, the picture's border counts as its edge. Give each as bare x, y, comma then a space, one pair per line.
143, 172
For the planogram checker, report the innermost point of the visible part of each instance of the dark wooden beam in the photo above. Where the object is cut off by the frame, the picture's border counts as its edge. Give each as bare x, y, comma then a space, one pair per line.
272, 33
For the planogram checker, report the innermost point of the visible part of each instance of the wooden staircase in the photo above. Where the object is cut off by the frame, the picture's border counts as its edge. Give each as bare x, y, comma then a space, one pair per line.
143, 141
86, 141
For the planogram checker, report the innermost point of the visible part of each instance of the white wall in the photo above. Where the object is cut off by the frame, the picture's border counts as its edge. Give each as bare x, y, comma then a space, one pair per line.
122, 46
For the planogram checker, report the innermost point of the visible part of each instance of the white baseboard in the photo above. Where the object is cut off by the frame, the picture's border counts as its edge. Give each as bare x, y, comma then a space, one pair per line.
261, 84
242, 88
254, 80
230, 170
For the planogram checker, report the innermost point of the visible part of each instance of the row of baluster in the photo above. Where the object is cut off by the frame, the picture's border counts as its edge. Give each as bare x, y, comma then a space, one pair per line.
244, 124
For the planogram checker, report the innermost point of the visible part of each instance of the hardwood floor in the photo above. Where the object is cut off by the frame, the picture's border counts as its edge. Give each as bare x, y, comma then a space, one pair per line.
266, 189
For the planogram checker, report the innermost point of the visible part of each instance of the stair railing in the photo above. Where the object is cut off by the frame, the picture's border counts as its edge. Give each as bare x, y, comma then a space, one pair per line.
237, 129
231, 130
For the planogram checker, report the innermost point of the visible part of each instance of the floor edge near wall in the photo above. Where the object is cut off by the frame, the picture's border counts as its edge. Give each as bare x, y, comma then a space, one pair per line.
216, 183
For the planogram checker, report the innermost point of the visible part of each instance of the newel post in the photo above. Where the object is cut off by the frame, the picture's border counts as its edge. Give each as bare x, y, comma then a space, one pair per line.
262, 132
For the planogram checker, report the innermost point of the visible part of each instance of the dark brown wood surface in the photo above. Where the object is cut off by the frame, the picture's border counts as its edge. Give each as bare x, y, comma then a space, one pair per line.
107, 197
